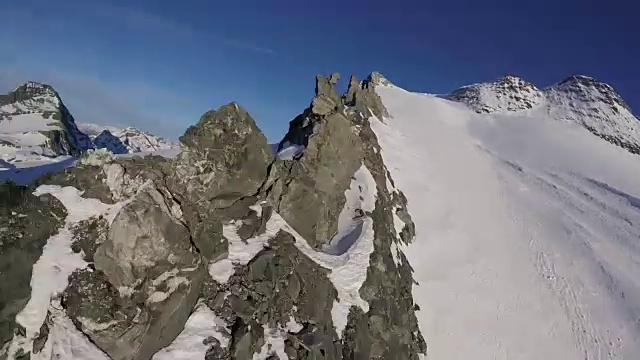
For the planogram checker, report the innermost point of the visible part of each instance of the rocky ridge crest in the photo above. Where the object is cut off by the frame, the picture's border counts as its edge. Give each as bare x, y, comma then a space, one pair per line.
291, 256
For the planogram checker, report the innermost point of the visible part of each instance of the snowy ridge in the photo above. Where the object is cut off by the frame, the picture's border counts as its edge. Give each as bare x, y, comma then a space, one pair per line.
125, 141
596, 107
509, 93
526, 230
579, 99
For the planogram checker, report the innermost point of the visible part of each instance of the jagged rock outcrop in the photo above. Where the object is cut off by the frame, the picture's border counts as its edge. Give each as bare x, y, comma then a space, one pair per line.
34, 120
250, 237
362, 95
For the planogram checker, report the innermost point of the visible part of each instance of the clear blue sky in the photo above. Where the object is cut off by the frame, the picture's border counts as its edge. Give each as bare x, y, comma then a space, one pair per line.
161, 64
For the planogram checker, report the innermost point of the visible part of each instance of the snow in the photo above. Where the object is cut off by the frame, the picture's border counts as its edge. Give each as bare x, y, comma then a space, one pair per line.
290, 152
27, 123
293, 326
348, 268
526, 231
25, 172
58, 261
190, 344
65, 341
127, 140
273, 345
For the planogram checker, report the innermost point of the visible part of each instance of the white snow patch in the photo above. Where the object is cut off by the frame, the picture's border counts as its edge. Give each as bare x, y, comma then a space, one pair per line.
190, 344
65, 341
94, 326
240, 252
290, 152
273, 344
293, 326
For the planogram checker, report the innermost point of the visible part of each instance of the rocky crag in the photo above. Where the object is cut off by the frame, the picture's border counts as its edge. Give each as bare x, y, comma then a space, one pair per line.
226, 252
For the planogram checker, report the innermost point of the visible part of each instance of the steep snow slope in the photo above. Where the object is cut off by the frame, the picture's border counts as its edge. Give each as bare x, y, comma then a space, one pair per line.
527, 231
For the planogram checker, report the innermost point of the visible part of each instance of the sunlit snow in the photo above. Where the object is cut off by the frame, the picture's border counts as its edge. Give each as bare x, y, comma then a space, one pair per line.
527, 232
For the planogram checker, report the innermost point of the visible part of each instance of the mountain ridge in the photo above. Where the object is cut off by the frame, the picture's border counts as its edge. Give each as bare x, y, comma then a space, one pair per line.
580, 99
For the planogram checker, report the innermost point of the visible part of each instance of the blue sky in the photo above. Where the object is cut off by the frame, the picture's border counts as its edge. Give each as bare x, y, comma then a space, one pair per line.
161, 64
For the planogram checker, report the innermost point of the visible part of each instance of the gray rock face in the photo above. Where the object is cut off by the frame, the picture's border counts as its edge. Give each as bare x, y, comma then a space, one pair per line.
148, 264
26, 222
146, 258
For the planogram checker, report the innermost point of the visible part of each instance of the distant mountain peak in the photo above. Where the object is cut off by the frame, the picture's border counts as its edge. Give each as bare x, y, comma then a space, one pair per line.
590, 89
508, 93
377, 78
34, 122
125, 140
34, 88
580, 99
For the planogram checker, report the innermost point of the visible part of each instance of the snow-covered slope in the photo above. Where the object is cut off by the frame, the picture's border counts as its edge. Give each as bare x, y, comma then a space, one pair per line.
580, 99
35, 125
125, 141
528, 228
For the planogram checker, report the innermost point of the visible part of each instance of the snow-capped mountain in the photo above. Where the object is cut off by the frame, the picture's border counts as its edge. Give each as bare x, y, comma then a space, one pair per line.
387, 225
579, 99
35, 124
527, 226
125, 141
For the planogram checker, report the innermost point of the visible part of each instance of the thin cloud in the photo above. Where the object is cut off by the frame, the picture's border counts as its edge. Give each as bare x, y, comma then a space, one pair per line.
155, 24
249, 46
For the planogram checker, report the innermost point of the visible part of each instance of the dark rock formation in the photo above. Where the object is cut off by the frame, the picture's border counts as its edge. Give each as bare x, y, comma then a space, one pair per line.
26, 222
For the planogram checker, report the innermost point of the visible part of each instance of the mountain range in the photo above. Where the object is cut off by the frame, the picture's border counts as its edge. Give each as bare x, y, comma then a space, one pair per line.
36, 126
498, 221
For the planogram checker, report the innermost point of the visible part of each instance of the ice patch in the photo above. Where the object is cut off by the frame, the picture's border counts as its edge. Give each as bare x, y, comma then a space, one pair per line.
190, 344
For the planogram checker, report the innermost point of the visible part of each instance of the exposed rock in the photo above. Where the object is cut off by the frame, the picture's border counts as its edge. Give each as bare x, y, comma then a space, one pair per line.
309, 192
106, 140
147, 281
326, 98
26, 223
148, 266
362, 96
87, 178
